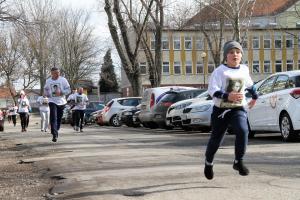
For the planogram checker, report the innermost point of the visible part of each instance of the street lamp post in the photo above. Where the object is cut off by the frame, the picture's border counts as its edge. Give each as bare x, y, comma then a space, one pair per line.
203, 55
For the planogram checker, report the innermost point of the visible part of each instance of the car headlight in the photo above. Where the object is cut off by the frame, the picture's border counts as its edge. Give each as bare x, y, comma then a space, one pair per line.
201, 108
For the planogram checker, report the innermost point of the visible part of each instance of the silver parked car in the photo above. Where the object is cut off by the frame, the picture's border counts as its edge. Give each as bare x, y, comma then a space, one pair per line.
197, 115
173, 116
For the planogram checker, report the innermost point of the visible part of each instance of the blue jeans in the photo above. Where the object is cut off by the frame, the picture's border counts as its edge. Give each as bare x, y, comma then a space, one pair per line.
237, 119
56, 112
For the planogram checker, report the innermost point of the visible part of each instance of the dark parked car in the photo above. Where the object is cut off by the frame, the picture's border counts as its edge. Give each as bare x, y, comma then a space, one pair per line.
126, 116
167, 100
90, 108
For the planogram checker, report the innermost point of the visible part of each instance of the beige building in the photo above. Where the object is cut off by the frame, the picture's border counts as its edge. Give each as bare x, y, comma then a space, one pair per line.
272, 43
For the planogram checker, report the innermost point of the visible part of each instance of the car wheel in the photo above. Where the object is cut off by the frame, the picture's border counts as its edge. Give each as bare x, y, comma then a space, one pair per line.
129, 124
145, 125
114, 121
286, 128
187, 128
152, 125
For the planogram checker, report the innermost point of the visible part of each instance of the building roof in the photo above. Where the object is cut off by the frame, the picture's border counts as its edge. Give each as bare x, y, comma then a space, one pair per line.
5, 93
260, 8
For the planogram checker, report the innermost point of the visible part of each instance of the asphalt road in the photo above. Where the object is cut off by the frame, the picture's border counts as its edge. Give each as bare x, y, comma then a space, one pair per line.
116, 163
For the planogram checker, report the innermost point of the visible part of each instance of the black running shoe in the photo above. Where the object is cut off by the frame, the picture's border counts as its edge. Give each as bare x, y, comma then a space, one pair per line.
54, 139
239, 166
208, 171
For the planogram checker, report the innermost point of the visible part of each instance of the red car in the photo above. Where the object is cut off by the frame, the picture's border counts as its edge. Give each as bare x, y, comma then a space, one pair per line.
99, 119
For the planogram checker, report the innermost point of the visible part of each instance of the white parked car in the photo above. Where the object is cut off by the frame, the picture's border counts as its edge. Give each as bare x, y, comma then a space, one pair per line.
278, 106
114, 106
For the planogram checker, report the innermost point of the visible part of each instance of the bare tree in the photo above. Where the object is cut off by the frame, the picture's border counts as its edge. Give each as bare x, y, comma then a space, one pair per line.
127, 52
7, 14
155, 68
39, 37
10, 60
236, 12
78, 52
178, 13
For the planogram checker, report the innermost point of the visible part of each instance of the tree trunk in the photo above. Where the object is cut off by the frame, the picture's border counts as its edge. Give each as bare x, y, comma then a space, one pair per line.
135, 82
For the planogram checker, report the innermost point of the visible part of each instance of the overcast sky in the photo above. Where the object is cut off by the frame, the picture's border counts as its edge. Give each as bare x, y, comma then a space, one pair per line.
98, 16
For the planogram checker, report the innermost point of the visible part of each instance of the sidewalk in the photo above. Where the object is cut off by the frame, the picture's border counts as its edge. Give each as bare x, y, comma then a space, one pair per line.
20, 180
108, 163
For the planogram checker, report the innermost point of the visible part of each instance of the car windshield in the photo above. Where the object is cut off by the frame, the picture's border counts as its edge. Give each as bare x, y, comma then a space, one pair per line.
174, 97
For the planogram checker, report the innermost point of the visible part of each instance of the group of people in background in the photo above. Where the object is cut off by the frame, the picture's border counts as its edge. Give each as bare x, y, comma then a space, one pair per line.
51, 106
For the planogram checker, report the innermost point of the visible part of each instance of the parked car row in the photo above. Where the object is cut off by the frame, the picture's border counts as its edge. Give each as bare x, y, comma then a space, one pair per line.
276, 109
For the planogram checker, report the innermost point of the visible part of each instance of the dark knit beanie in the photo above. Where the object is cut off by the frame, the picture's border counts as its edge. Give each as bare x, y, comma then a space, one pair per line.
230, 45
54, 69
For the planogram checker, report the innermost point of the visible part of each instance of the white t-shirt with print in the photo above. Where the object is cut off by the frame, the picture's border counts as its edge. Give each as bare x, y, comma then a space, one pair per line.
43, 103
227, 79
52, 86
81, 100
23, 105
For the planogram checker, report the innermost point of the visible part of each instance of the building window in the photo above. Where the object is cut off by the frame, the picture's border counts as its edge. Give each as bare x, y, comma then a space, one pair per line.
299, 64
211, 67
199, 68
152, 43
177, 68
289, 65
165, 43
188, 43
278, 66
267, 66
166, 68
255, 42
255, 66
278, 42
289, 42
267, 42
143, 67
188, 67
199, 43
176, 43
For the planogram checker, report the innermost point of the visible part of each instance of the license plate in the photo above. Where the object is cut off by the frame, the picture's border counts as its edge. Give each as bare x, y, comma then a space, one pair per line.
183, 117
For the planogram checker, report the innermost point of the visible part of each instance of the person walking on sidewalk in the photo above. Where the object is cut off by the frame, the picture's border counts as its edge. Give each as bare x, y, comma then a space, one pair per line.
229, 107
71, 103
43, 102
1, 121
81, 100
23, 110
56, 89
12, 113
